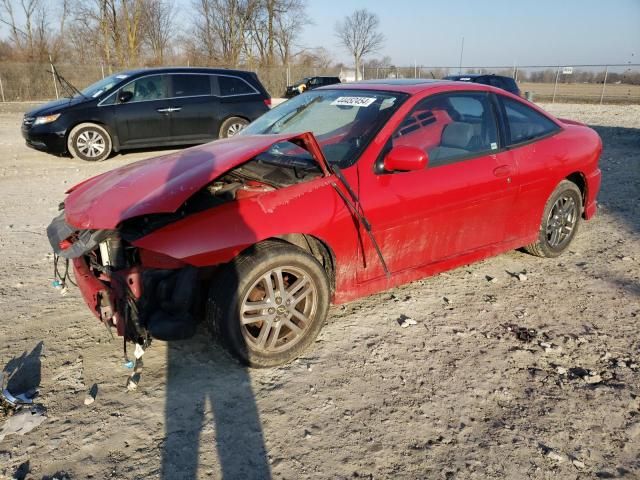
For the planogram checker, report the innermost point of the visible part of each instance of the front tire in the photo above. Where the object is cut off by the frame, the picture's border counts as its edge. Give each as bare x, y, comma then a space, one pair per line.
268, 305
89, 142
232, 126
560, 221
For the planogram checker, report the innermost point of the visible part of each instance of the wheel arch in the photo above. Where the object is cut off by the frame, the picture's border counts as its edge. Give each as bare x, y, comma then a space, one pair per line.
318, 248
579, 179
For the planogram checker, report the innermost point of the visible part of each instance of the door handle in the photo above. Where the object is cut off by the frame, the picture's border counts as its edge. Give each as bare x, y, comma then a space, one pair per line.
503, 171
163, 110
174, 109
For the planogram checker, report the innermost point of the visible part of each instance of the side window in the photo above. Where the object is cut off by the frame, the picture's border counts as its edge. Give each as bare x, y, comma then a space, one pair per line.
190, 85
450, 127
234, 86
152, 87
314, 81
524, 122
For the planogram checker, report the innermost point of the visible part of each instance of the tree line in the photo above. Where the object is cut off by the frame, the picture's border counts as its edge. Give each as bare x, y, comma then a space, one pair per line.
154, 32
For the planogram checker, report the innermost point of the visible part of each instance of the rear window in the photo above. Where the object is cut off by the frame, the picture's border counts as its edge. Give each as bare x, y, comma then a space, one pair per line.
524, 122
190, 85
234, 86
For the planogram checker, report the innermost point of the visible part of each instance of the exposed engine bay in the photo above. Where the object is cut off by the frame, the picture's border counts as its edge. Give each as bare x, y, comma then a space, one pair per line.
144, 294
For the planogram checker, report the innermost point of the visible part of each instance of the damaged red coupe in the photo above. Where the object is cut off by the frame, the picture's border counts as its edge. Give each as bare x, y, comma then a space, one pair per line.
339, 193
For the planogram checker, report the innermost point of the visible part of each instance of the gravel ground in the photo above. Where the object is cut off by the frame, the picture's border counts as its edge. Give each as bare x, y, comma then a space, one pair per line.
535, 378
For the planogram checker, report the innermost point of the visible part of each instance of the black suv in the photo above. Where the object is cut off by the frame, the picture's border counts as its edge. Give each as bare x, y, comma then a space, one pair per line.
147, 108
309, 83
505, 83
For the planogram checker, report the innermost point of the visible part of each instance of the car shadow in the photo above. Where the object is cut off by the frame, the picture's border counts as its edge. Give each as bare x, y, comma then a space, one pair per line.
620, 191
210, 407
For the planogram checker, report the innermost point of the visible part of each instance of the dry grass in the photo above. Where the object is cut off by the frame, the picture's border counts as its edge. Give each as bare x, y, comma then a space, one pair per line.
584, 92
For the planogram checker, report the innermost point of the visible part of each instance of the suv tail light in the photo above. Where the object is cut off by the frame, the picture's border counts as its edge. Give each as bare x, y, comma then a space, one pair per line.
267, 102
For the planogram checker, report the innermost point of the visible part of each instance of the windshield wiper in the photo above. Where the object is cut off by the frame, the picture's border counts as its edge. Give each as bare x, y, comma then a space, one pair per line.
360, 216
292, 115
66, 84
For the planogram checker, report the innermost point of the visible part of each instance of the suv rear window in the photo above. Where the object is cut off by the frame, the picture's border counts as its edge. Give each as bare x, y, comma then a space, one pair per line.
190, 85
234, 86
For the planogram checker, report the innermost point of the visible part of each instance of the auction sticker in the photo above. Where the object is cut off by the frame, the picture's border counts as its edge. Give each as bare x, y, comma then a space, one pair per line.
353, 101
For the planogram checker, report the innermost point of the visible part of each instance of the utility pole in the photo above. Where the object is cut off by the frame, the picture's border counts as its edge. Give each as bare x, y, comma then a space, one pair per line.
461, 52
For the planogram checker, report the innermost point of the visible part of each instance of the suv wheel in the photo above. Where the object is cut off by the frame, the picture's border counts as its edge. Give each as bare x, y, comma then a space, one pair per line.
89, 142
232, 126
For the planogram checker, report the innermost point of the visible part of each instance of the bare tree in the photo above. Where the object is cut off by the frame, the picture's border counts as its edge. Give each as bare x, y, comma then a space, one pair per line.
222, 27
158, 27
31, 36
358, 33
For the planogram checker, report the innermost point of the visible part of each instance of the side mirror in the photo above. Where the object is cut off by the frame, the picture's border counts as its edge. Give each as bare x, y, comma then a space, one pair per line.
404, 158
124, 97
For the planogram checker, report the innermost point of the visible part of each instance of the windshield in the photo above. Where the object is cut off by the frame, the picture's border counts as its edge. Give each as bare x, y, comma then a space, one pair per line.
343, 121
304, 80
96, 89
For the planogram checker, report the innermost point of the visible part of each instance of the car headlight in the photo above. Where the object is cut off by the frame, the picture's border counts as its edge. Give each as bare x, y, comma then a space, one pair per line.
46, 119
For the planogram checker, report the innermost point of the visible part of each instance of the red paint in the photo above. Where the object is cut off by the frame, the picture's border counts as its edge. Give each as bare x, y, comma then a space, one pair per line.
426, 221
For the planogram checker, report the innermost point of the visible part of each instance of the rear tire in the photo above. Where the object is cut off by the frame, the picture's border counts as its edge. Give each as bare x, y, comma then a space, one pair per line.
89, 142
232, 126
560, 221
268, 305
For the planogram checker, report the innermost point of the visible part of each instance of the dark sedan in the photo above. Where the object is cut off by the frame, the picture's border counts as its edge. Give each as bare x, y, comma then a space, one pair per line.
147, 108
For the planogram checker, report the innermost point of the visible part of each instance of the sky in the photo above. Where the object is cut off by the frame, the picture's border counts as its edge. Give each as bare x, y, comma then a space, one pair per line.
496, 32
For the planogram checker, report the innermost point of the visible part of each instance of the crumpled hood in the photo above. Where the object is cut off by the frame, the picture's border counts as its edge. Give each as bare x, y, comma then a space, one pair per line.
161, 184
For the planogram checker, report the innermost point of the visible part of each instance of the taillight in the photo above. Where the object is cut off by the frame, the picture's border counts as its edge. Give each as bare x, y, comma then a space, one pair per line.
64, 244
267, 102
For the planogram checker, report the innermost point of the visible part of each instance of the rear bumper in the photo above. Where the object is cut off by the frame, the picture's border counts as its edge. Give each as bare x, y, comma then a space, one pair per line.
593, 187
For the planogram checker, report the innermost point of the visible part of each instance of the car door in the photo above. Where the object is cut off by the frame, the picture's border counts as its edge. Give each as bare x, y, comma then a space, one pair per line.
143, 119
459, 203
194, 108
529, 136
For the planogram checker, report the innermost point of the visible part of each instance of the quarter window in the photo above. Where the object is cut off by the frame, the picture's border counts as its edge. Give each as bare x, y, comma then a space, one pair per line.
524, 122
234, 86
191, 85
450, 127
152, 87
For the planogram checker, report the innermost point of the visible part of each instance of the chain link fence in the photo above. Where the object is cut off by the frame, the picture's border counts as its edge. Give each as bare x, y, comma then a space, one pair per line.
555, 83
548, 83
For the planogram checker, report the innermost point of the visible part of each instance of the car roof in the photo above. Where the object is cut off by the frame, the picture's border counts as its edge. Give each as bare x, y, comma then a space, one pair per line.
411, 86
184, 70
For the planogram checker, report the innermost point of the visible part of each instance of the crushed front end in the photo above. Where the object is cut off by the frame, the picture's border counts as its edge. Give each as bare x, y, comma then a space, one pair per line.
140, 293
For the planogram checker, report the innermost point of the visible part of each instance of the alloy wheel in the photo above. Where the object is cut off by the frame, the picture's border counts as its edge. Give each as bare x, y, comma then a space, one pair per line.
91, 143
234, 129
278, 309
561, 221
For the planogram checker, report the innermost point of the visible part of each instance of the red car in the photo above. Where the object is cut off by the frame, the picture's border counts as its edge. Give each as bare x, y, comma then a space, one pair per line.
338, 193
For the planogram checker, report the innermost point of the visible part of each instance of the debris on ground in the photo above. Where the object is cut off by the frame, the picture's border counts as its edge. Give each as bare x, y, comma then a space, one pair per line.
91, 395
523, 334
405, 321
23, 421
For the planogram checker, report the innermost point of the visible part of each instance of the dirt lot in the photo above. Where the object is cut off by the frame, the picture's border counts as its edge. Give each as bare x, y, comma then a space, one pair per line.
535, 378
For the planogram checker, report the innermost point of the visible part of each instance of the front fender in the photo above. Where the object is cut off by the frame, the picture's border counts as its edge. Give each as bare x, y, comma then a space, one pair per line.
217, 235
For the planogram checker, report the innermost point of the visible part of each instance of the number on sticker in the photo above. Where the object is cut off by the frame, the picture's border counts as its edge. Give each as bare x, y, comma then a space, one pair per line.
353, 101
